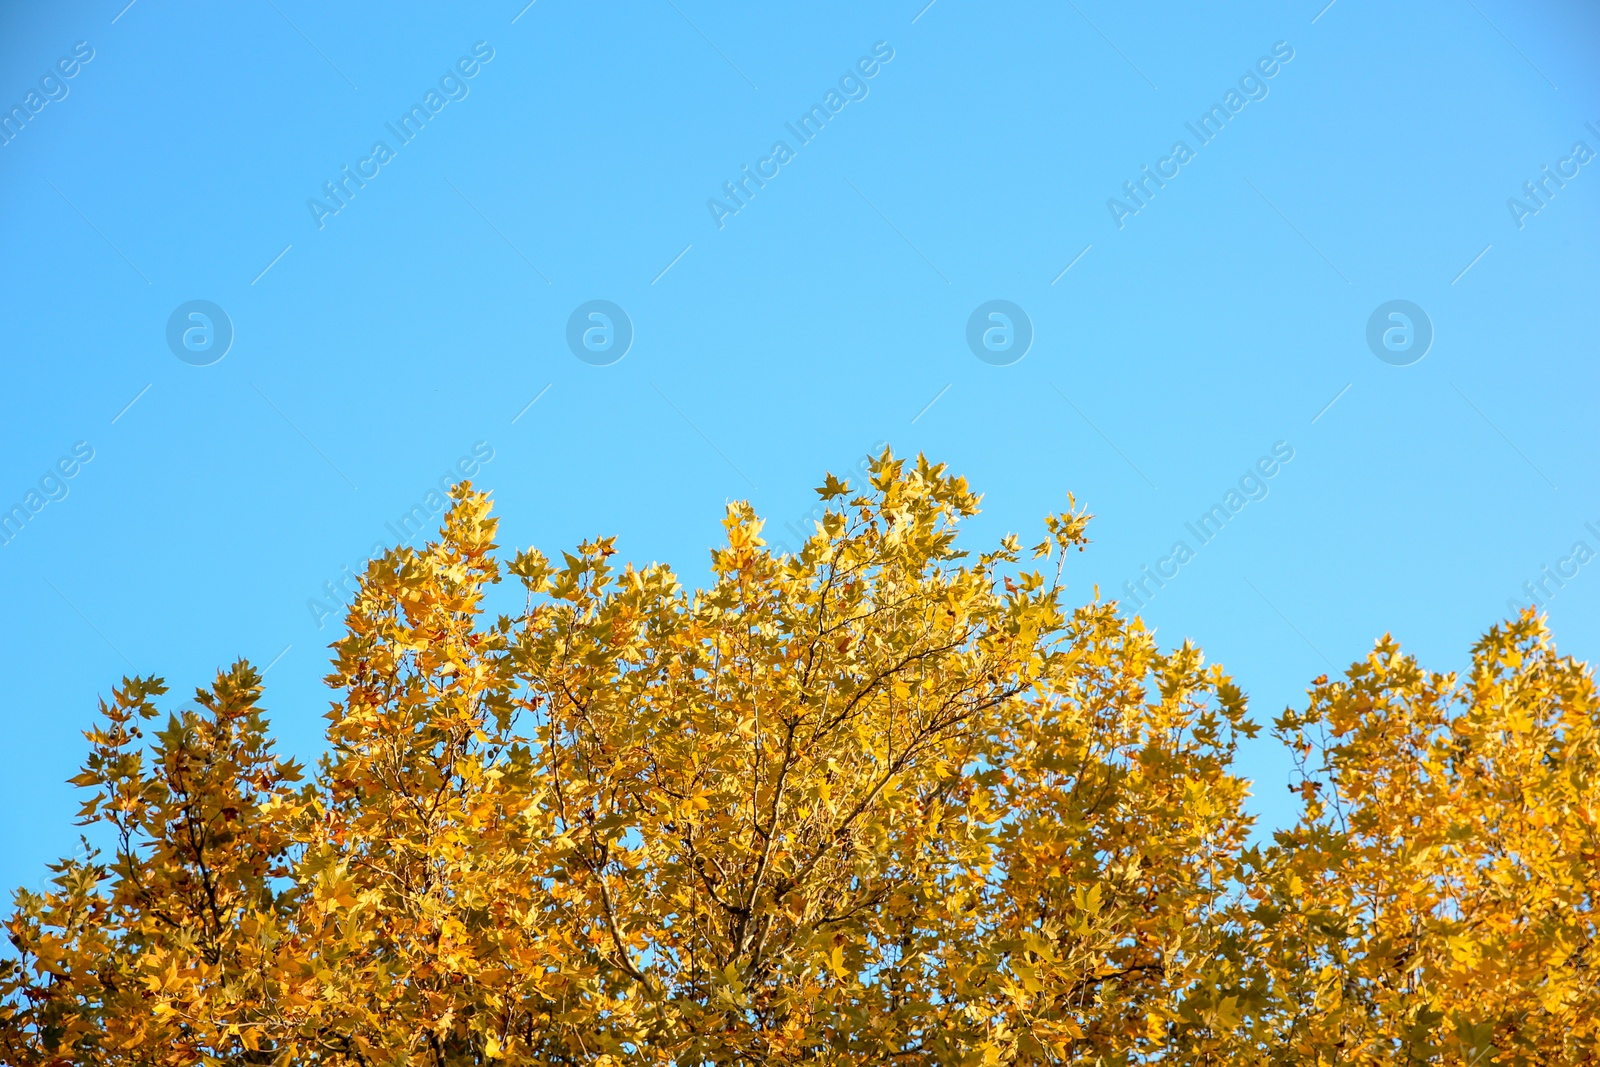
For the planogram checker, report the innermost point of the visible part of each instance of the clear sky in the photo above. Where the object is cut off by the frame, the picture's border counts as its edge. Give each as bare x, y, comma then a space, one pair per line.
274, 269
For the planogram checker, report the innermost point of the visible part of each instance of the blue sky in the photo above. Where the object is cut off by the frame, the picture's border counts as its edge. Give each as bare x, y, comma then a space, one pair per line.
574, 152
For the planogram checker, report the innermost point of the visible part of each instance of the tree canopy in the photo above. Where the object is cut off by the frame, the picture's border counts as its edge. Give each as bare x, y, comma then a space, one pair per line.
878, 802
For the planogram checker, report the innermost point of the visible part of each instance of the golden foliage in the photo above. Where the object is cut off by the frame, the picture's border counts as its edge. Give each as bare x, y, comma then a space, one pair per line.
877, 802
1440, 889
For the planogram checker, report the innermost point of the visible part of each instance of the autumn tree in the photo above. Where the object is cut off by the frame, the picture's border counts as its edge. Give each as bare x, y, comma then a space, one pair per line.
879, 801
1436, 902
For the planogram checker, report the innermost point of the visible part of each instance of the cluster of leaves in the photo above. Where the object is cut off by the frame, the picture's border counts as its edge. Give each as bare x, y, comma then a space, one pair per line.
876, 802
1440, 890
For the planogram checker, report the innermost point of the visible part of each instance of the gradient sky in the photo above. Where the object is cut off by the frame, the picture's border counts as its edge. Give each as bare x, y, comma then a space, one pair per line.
375, 347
